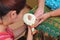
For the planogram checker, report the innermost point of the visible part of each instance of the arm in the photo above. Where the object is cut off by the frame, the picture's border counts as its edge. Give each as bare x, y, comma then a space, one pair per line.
30, 36
41, 4
40, 10
55, 13
49, 14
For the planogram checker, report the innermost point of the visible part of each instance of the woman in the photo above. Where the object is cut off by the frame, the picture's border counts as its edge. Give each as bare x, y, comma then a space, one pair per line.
9, 14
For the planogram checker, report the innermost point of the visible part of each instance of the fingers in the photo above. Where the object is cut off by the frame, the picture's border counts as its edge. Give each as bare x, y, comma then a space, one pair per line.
41, 21
36, 31
38, 21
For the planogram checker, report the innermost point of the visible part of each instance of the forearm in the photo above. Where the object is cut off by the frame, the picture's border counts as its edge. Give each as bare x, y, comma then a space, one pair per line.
29, 36
41, 4
40, 9
55, 13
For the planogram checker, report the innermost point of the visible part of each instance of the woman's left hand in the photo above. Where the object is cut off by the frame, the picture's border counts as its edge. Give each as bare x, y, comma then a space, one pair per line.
39, 12
41, 19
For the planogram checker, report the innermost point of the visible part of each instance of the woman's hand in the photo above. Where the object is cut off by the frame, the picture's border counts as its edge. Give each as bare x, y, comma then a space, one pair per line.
40, 9
40, 19
43, 18
30, 36
39, 12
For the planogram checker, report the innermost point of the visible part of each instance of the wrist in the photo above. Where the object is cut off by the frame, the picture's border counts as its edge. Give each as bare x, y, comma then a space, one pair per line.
49, 15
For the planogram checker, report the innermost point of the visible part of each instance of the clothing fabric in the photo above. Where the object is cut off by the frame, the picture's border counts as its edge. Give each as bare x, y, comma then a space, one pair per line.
7, 35
53, 4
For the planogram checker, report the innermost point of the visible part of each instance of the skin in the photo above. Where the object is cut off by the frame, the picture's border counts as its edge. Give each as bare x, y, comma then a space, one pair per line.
37, 14
12, 18
17, 25
29, 36
44, 16
49, 14
40, 9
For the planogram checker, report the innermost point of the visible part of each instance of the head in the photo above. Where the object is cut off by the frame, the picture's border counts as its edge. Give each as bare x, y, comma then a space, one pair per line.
9, 10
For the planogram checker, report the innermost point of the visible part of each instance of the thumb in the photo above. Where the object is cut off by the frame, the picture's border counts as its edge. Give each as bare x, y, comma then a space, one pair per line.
41, 19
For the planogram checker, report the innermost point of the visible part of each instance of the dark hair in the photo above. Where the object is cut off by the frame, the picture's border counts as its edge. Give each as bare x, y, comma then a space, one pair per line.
18, 5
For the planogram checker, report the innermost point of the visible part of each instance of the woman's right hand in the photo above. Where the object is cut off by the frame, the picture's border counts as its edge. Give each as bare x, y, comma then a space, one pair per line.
43, 17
